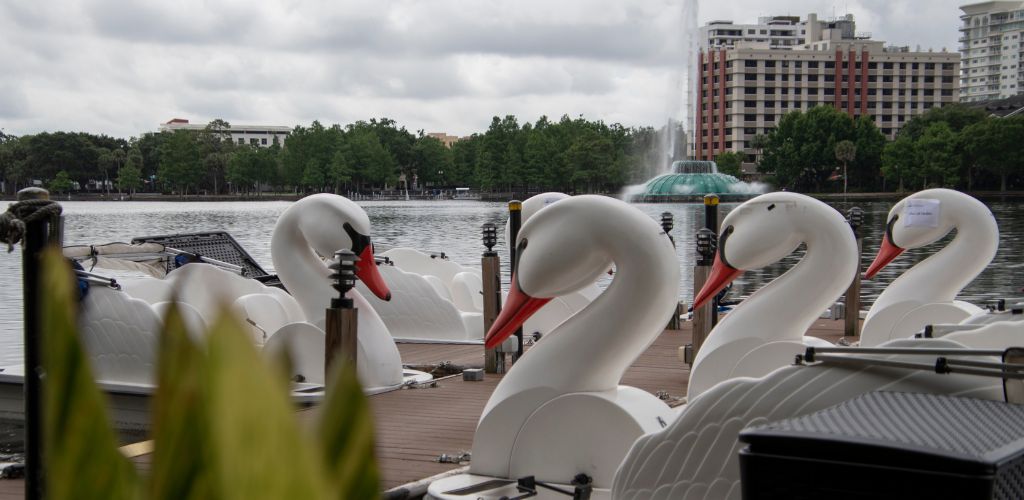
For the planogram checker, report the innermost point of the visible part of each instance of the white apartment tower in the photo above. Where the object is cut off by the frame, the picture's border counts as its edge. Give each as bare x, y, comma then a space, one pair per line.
747, 79
992, 50
253, 135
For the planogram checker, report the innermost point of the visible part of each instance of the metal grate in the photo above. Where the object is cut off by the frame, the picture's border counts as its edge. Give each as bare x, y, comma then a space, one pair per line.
216, 245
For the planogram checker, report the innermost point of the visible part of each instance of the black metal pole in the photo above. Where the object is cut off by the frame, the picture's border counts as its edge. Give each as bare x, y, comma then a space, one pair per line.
515, 221
711, 222
36, 237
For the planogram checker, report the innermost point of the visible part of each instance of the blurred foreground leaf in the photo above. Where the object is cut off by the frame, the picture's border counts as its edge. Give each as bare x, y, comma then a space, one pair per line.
180, 466
346, 433
223, 424
255, 446
81, 457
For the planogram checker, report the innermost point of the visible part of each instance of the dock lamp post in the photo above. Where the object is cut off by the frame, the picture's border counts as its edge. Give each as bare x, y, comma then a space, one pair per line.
490, 266
851, 324
667, 223
342, 316
707, 244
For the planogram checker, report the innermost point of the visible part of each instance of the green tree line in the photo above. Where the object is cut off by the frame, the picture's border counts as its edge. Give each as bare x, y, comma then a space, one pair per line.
955, 146
571, 154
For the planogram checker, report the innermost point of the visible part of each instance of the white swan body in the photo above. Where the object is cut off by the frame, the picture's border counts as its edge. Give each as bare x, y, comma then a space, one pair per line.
926, 293
119, 330
697, 456
560, 411
767, 329
435, 300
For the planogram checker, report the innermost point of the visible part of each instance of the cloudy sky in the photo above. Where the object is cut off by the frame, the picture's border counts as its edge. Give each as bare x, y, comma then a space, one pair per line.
122, 67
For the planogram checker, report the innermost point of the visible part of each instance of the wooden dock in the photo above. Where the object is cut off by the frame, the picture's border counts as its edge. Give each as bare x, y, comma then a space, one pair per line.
416, 426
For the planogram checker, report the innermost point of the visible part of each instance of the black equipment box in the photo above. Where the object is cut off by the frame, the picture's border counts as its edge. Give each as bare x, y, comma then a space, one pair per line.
884, 445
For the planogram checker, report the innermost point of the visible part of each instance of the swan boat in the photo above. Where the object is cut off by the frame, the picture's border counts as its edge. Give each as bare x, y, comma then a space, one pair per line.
767, 329
119, 327
559, 411
926, 293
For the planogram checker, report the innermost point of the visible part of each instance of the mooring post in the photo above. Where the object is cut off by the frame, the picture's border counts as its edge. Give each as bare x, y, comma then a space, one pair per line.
41, 229
515, 221
342, 317
490, 265
702, 324
667, 223
855, 216
711, 222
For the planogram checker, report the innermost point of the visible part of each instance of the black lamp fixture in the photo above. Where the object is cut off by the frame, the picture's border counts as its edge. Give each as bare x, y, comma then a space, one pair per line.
706, 246
344, 277
490, 236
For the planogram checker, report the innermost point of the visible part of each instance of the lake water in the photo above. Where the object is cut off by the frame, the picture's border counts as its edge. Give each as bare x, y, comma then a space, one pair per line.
454, 228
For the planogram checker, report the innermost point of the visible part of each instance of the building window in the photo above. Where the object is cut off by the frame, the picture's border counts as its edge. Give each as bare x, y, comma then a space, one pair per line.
253, 141
263, 141
241, 140
812, 64
887, 65
830, 65
769, 64
750, 63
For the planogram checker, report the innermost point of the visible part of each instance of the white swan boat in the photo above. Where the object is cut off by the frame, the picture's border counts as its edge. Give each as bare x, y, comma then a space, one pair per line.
926, 293
560, 411
767, 329
119, 327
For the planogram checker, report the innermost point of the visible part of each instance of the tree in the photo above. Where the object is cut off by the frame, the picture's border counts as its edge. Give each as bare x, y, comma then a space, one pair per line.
938, 162
759, 142
864, 172
61, 183
995, 144
431, 160
801, 149
846, 151
730, 163
129, 177
898, 157
180, 164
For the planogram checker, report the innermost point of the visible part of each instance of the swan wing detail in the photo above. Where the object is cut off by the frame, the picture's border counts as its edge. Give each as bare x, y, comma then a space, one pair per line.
697, 455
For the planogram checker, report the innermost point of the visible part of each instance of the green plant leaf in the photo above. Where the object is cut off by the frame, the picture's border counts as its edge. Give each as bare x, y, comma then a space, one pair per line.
180, 430
254, 446
346, 433
81, 456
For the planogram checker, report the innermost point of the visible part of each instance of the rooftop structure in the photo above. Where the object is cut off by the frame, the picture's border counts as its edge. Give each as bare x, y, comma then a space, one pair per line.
253, 135
992, 48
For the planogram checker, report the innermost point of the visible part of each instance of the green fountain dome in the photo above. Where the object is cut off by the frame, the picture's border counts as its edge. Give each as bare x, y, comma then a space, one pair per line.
689, 178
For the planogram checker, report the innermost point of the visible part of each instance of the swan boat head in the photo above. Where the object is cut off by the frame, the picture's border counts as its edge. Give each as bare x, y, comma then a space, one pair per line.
318, 226
922, 219
765, 330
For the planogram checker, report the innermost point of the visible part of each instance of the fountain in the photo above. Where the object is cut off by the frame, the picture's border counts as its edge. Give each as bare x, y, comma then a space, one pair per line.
690, 180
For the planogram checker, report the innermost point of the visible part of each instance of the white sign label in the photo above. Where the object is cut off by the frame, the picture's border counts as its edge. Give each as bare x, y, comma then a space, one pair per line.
921, 212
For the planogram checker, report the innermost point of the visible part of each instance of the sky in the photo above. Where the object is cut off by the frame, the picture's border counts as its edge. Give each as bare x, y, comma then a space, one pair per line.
123, 67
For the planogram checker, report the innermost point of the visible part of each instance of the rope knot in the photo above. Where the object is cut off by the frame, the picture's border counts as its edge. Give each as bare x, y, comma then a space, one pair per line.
22, 213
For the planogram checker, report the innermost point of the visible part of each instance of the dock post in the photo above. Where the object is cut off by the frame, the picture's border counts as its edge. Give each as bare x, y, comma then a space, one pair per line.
490, 266
515, 221
667, 223
711, 222
341, 337
855, 217
706, 245
35, 221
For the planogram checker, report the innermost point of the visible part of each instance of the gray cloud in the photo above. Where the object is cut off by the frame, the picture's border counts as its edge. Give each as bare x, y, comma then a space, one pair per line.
121, 68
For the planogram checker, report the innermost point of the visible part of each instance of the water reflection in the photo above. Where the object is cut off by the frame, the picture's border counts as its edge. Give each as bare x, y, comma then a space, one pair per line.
454, 228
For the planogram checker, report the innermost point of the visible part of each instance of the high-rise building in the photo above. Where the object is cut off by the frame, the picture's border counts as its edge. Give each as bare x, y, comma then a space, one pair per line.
252, 135
992, 50
746, 84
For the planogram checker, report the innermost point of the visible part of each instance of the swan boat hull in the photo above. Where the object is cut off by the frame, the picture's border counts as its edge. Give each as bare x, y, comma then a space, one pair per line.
129, 403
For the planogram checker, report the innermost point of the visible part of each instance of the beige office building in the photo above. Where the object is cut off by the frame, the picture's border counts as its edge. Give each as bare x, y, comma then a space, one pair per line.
252, 135
747, 85
992, 50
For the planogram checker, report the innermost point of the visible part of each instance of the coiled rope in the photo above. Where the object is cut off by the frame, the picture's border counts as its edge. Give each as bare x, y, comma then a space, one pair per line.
21, 214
